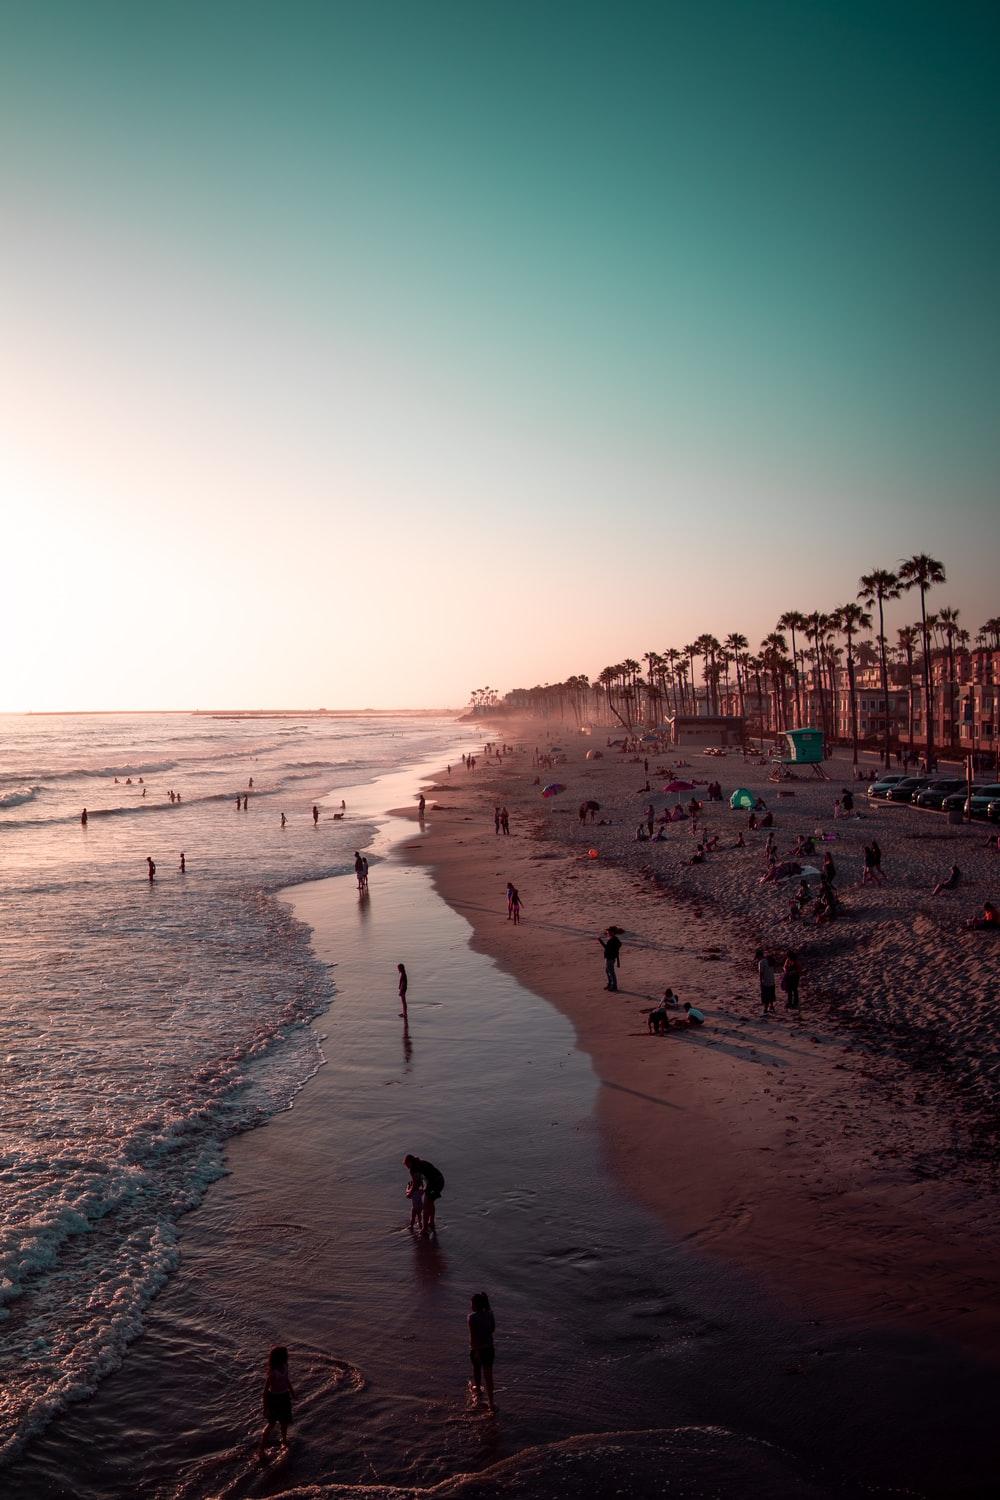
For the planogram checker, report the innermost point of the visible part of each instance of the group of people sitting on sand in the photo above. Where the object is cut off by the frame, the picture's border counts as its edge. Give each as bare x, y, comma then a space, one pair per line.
660, 1019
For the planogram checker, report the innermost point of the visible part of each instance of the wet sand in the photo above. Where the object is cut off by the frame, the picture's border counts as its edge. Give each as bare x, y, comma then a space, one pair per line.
629, 1355
785, 1145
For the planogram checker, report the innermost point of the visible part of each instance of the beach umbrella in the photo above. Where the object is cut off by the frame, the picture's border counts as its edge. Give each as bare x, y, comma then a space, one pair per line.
553, 789
679, 786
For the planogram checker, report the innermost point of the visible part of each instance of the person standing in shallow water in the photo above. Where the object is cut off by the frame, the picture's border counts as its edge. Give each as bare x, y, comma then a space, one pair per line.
482, 1327
432, 1179
403, 986
151, 868
278, 1396
315, 816
83, 817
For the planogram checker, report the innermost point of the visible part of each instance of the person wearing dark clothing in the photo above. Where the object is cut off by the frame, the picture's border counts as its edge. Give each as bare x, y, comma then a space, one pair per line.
612, 958
482, 1327
427, 1176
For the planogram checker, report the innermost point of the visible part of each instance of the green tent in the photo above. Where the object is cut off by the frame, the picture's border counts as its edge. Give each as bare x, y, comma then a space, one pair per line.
741, 798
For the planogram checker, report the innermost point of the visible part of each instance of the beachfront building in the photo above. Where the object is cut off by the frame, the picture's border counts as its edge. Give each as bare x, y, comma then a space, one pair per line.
698, 731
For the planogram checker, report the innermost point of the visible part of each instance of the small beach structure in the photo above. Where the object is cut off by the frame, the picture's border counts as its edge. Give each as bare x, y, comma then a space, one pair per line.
742, 800
701, 730
805, 748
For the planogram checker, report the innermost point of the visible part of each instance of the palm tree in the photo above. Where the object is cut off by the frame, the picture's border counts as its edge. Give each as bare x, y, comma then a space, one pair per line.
736, 643
907, 636
792, 620
773, 649
848, 620
948, 620
990, 630
877, 587
923, 572
817, 624
692, 650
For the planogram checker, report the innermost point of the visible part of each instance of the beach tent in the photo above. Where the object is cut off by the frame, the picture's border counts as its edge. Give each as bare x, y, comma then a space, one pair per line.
742, 799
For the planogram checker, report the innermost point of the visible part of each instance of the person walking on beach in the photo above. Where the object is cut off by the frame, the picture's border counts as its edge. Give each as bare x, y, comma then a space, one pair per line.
278, 1397
510, 899
612, 958
505, 820
421, 805
151, 868
482, 1353
403, 986
359, 869
765, 974
315, 815
239, 803
515, 906
427, 1176
183, 863
284, 820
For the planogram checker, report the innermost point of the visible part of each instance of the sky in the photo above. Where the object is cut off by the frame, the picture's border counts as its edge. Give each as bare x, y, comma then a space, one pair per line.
366, 354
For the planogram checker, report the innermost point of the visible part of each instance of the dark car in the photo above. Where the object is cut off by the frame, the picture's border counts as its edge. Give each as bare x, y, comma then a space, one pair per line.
993, 811
982, 796
904, 790
934, 795
880, 788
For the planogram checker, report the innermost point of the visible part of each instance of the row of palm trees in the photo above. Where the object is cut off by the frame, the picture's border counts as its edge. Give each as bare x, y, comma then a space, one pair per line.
787, 684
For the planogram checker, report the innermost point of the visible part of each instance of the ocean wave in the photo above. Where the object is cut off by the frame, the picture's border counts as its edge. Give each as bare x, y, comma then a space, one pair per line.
680, 1461
17, 795
80, 773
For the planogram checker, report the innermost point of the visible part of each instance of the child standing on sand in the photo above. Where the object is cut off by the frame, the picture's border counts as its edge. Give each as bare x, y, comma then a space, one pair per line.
278, 1396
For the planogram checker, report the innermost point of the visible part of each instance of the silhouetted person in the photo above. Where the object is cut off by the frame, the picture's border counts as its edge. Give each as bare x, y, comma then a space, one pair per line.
83, 817
284, 820
315, 816
152, 869
183, 862
403, 986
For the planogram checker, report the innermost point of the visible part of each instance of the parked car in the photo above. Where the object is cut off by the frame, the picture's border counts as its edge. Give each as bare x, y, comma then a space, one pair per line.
993, 811
934, 795
880, 788
907, 788
981, 798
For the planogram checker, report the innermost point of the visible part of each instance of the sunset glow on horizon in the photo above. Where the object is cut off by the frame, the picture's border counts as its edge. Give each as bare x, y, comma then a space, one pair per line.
362, 356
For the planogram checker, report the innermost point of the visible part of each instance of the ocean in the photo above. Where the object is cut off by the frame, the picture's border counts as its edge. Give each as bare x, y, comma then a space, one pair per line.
143, 1024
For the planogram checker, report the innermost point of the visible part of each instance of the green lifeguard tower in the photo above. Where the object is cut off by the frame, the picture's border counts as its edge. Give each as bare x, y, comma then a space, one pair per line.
805, 748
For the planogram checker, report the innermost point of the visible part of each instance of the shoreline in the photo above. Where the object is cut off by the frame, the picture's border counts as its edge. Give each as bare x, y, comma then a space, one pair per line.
787, 1147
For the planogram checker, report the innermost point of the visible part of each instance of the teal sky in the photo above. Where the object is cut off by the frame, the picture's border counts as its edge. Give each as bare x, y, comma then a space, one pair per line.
502, 339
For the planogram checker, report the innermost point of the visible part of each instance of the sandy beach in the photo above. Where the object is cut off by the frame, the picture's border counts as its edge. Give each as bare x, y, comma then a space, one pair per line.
696, 1294
842, 1155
